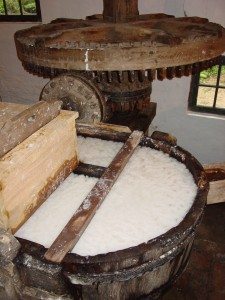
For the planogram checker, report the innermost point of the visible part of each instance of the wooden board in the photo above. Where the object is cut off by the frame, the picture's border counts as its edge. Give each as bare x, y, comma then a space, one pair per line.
72, 232
89, 170
17, 122
217, 187
103, 131
31, 171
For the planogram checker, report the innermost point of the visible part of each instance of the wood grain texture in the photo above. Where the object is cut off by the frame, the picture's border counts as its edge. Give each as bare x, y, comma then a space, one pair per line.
148, 42
72, 232
89, 170
216, 176
103, 131
31, 171
120, 10
19, 126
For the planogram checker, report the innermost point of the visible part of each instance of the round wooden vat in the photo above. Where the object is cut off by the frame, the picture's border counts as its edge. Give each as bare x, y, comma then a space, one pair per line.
137, 272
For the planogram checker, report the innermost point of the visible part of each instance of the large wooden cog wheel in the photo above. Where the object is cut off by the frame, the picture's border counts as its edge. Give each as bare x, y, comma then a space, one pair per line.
77, 94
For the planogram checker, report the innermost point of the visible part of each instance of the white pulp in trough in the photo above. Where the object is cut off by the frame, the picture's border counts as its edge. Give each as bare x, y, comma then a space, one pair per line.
152, 195
97, 152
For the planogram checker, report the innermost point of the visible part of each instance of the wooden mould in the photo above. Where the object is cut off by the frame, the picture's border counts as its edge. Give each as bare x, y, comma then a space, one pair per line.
43, 157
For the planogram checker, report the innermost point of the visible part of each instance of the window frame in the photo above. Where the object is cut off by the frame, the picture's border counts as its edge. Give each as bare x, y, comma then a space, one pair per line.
193, 95
22, 18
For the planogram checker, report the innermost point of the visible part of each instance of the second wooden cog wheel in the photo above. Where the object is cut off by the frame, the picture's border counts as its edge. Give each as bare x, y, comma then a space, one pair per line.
77, 93
120, 53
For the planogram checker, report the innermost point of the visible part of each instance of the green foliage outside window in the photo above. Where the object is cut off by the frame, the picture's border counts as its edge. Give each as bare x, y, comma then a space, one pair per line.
211, 73
29, 7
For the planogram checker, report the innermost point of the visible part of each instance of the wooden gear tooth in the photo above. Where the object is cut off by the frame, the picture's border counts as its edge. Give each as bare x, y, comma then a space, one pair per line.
120, 76
179, 71
151, 74
131, 76
187, 70
161, 74
109, 76
170, 73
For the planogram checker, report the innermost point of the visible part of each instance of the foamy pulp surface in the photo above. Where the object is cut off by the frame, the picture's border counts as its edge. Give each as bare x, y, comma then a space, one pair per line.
152, 195
97, 152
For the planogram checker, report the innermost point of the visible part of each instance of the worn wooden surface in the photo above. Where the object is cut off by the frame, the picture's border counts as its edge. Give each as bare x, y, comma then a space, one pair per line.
149, 42
17, 122
120, 10
141, 120
104, 131
216, 176
78, 94
89, 170
31, 171
9, 110
72, 232
166, 137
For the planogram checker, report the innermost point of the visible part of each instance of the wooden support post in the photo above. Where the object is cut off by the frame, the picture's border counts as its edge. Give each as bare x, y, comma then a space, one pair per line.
120, 10
72, 232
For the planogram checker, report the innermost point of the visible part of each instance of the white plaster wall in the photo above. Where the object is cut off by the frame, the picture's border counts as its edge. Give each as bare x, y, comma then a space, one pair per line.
204, 137
16, 85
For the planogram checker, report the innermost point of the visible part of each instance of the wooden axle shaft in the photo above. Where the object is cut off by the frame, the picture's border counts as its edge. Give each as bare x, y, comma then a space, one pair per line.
120, 10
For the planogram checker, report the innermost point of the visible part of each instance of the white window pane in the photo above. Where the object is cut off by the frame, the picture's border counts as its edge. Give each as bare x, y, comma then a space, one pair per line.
206, 96
222, 76
220, 102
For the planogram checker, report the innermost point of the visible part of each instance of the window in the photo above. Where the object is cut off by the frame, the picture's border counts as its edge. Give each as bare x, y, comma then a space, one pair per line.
207, 92
20, 10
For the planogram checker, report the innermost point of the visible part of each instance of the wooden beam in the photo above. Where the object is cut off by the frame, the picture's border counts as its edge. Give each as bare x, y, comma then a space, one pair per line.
104, 131
74, 229
20, 126
89, 170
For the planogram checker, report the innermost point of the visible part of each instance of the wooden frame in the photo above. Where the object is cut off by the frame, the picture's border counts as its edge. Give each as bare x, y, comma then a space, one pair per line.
193, 95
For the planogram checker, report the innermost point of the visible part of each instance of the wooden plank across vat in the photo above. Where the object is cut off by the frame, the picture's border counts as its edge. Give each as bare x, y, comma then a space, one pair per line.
72, 232
32, 170
18, 122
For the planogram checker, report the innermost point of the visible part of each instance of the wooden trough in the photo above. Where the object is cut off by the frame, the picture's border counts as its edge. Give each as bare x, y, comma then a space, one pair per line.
141, 271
